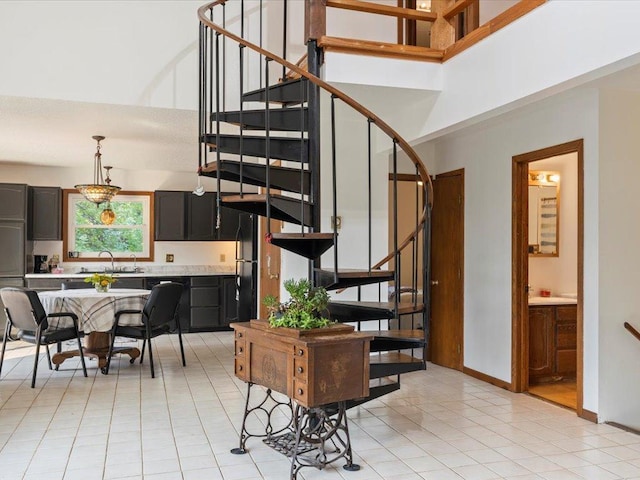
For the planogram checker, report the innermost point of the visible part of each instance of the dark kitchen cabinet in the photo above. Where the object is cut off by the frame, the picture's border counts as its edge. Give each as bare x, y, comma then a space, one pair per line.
201, 217
230, 301
183, 216
206, 305
169, 215
13, 202
45, 213
12, 246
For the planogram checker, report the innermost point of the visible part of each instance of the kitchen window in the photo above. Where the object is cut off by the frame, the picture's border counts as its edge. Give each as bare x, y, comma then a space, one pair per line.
129, 234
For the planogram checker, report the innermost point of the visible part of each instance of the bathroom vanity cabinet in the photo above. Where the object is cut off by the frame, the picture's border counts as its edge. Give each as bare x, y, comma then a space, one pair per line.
552, 342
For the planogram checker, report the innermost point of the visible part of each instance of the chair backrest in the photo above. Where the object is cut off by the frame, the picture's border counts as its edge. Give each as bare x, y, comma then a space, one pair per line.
162, 304
70, 285
25, 309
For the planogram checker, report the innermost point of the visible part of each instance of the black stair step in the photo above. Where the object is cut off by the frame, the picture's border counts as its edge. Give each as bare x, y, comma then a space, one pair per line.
287, 93
280, 178
377, 388
282, 148
308, 245
345, 278
283, 119
388, 340
354, 311
387, 364
282, 208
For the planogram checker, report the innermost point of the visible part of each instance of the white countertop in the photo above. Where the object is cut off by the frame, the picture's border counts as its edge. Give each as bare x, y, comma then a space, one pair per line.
552, 301
153, 271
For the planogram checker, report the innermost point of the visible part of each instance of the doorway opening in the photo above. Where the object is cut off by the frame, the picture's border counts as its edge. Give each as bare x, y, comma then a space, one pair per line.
547, 245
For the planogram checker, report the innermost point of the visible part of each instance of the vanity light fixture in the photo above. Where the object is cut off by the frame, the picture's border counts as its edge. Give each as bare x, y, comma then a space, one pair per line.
101, 190
544, 178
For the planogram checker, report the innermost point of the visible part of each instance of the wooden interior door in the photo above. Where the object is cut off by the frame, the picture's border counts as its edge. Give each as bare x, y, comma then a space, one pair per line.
447, 251
269, 265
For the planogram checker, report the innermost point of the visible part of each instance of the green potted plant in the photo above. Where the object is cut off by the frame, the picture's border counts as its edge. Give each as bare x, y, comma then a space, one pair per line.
305, 309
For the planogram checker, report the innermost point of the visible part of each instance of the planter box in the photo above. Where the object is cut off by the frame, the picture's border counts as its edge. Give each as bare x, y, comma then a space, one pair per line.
313, 367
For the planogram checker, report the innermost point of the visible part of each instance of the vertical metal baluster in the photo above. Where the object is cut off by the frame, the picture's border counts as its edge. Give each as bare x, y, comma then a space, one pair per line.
241, 54
201, 112
416, 244
302, 103
395, 226
224, 58
284, 40
334, 185
267, 127
218, 129
260, 44
369, 188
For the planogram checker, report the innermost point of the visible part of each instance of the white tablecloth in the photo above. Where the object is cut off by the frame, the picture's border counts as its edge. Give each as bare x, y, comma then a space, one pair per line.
95, 311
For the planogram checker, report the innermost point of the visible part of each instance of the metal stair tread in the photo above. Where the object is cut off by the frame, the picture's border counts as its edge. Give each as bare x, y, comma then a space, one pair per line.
393, 357
403, 307
279, 93
309, 245
280, 119
283, 178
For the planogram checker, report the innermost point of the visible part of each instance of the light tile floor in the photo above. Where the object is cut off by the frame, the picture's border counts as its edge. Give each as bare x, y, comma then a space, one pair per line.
181, 425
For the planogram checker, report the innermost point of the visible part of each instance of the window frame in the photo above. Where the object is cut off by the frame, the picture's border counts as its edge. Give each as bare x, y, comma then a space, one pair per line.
66, 225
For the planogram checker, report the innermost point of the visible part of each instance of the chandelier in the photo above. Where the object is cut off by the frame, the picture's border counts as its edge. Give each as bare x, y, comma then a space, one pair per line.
100, 190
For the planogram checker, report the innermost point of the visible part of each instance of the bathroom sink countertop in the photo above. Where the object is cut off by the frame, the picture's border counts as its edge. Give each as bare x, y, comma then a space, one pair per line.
552, 301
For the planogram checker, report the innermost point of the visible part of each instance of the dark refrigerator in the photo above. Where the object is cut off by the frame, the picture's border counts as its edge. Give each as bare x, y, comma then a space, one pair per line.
246, 267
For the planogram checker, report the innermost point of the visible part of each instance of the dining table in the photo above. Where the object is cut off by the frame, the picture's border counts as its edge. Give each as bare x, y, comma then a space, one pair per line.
96, 315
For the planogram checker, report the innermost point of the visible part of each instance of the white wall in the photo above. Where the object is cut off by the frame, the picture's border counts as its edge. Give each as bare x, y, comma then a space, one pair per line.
560, 274
127, 53
619, 259
485, 152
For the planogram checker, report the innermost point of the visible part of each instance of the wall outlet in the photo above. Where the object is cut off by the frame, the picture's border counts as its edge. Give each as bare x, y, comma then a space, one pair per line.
223, 257
169, 258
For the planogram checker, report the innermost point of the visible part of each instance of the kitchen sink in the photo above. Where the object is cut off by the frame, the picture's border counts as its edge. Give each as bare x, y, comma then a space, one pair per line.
110, 271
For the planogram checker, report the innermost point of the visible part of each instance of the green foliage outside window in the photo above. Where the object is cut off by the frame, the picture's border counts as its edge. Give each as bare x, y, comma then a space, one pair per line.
124, 235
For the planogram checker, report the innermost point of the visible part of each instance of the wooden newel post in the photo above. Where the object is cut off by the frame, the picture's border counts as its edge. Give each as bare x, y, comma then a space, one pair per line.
443, 33
315, 19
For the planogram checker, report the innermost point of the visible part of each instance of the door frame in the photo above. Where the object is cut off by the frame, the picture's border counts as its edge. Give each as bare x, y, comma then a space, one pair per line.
520, 265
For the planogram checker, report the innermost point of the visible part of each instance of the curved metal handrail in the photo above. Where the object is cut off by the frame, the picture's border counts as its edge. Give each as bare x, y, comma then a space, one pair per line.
386, 128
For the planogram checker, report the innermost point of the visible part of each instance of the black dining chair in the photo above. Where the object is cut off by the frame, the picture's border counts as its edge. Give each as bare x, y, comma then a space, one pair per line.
158, 315
25, 312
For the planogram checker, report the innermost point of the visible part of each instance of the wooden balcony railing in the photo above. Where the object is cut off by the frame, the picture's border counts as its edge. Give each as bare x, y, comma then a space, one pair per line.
449, 35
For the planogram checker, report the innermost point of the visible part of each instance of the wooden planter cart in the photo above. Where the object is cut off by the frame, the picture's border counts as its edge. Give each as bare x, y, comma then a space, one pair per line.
319, 370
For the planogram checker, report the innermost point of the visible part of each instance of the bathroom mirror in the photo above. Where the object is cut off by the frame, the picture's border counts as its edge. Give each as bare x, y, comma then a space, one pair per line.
544, 213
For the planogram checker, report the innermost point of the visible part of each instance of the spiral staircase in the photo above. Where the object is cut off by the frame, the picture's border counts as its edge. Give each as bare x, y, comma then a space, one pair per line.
268, 140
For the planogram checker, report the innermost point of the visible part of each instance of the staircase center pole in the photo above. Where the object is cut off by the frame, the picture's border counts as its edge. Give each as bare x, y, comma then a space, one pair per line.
314, 58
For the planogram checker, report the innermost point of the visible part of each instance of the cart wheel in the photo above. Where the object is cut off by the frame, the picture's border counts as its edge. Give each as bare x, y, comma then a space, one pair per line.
131, 360
104, 370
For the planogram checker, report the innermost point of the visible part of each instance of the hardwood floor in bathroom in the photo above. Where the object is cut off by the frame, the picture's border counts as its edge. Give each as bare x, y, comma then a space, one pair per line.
563, 392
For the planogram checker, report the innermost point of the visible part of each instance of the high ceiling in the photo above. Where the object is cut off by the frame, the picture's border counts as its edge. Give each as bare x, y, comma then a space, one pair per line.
58, 133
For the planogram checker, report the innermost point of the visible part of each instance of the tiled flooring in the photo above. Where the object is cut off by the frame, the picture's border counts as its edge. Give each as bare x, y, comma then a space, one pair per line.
181, 425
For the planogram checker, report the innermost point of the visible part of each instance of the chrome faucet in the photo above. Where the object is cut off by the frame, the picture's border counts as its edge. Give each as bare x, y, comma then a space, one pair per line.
113, 267
135, 268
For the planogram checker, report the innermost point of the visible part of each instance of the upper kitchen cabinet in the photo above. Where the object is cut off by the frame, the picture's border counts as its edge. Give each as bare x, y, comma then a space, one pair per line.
45, 213
13, 202
201, 217
169, 212
185, 216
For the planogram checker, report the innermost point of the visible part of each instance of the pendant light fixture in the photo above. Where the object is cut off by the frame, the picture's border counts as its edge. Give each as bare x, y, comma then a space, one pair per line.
100, 190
